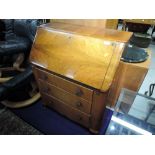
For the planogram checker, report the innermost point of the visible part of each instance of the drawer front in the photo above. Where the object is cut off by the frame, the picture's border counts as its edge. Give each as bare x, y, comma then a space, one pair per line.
65, 110
65, 97
67, 85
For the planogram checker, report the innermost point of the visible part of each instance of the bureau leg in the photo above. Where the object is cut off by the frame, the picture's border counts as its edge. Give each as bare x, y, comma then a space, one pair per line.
98, 107
96, 132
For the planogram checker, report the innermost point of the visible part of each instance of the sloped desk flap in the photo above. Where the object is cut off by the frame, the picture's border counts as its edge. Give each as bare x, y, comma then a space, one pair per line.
78, 53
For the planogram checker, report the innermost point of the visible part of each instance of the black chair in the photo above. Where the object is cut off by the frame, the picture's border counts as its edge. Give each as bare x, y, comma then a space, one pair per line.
2, 27
15, 47
140, 41
140, 37
137, 27
19, 89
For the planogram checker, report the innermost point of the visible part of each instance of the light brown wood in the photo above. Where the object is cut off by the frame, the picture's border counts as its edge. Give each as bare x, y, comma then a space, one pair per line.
98, 23
96, 32
64, 84
110, 71
66, 110
82, 22
128, 75
98, 107
67, 98
111, 23
72, 55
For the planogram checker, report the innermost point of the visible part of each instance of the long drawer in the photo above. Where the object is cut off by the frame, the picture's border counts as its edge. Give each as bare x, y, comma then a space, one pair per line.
65, 110
67, 98
67, 85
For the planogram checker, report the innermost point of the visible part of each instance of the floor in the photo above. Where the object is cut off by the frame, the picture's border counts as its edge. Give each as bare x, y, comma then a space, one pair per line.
10, 124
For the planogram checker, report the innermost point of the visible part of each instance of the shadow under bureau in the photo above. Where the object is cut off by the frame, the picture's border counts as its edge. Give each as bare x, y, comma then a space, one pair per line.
75, 67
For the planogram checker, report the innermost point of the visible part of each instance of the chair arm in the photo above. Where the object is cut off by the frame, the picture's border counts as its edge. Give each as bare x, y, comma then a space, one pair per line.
16, 82
9, 48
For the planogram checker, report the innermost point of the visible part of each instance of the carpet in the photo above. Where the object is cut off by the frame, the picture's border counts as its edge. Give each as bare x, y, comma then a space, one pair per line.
38, 119
10, 124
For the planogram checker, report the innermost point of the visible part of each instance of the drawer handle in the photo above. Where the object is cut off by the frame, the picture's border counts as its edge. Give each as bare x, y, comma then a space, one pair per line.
78, 104
79, 92
45, 77
80, 118
46, 90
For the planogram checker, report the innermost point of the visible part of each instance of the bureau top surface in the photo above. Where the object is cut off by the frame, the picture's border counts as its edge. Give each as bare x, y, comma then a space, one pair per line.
98, 32
78, 53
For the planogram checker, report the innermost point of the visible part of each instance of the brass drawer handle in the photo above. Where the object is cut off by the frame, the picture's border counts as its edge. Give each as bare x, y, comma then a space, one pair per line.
78, 104
79, 92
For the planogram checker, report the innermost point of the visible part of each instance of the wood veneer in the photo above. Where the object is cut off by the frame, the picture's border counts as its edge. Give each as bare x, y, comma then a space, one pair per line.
98, 23
70, 99
68, 51
62, 83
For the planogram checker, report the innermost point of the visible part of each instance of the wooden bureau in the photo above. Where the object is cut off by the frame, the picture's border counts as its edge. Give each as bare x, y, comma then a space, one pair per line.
75, 66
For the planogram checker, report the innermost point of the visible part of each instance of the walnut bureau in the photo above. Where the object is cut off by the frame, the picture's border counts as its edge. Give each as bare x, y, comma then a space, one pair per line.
75, 66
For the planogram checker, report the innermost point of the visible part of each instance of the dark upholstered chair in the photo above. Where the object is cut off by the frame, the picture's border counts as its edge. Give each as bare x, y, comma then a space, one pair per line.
20, 91
143, 40
15, 44
140, 41
137, 27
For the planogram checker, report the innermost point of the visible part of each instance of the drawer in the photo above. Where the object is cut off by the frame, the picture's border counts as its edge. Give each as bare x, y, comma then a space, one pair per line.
65, 110
65, 97
67, 85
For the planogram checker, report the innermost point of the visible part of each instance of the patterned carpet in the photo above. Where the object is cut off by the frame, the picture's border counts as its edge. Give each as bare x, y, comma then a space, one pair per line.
10, 124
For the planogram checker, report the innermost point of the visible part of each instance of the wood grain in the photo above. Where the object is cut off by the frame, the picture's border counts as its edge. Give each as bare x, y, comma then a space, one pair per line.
98, 107
97, 32
98, 23
67, 98
81, 58
66, 110
64, 84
